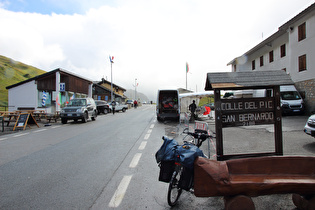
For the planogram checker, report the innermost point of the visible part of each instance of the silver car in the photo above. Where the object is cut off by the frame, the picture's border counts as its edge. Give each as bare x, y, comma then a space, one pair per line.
79, 108
310, 126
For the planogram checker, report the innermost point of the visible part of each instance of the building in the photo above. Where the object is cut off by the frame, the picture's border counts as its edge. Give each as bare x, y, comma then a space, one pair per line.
102, 91
57, 86
292, 49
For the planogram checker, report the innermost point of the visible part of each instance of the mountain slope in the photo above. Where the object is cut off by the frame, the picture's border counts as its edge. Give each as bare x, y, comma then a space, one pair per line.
12, 72
131, 95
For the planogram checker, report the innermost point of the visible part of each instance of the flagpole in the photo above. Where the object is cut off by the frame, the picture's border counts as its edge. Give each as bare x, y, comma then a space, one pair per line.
111, 80
186, 79
187, 69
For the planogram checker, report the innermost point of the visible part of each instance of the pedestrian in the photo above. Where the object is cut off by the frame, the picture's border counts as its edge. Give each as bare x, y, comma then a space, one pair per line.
113, 106
192, 108
135, 104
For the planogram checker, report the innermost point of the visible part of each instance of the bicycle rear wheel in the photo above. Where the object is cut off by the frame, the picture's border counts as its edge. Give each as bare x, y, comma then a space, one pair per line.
174, 191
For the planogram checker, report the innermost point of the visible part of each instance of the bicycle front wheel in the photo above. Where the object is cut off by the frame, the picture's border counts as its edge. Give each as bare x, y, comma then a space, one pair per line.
174, 191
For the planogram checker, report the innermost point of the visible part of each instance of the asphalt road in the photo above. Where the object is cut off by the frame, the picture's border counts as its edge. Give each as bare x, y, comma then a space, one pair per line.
110, 164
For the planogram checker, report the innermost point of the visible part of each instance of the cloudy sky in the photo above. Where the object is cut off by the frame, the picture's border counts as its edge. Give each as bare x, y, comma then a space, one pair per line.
151, 40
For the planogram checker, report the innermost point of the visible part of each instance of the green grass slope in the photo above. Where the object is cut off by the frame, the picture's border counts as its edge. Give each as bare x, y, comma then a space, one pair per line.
12, 72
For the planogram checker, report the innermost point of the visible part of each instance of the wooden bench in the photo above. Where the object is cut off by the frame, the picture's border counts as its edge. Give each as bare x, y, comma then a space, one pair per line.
243, 178
53, 117
9, 117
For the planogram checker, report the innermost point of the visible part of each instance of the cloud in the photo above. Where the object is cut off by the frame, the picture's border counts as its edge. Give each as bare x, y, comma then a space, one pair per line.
151, 40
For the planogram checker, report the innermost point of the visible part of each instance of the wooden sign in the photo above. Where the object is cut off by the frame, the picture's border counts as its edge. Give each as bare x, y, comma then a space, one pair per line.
25, 119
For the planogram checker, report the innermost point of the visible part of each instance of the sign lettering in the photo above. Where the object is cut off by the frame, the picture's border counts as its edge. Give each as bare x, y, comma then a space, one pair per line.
247, 111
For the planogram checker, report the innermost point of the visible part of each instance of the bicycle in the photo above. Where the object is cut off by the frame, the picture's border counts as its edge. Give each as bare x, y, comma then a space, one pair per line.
181, 178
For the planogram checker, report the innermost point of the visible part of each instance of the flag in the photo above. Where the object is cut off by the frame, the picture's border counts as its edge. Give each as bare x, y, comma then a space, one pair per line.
111, 58
187, 68
58, 99
72, 97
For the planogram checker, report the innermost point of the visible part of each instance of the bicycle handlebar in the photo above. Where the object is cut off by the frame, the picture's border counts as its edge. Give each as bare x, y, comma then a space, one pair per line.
198, 135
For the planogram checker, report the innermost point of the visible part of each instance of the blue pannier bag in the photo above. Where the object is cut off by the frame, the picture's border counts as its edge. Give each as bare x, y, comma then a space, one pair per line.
165, 157
187, 153
167, 150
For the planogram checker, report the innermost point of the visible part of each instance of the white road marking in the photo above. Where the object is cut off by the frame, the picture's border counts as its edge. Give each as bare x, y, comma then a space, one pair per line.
120, 192
135, 160
142, 145
57, 126
39, 130
22, 134
152, 126
146, 137
149, 131
3, 139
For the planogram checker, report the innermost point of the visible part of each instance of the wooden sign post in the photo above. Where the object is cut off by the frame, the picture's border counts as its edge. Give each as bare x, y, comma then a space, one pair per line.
25, 119
248, 111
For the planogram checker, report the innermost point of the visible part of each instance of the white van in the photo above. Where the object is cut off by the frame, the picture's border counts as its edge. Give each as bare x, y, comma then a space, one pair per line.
168, 105
291, 100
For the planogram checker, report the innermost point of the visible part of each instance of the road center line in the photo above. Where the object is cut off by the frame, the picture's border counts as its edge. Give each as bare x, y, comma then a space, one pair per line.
135, 160
152, 126
142, 145
120, 192
146, 137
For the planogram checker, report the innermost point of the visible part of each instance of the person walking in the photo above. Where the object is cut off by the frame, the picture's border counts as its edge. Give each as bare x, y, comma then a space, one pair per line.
135, 104
192, 108
113, 106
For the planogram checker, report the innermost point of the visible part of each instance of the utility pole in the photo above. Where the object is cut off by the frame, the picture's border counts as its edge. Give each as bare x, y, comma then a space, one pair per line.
136, 88
111, 59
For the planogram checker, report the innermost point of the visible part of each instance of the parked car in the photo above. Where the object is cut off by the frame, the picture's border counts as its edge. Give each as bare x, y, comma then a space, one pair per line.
130, 102
79, 108
309, 127
102, 107
119, 107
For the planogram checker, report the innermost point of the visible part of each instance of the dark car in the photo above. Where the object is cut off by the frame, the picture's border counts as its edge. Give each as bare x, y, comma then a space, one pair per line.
102, 107
79, 108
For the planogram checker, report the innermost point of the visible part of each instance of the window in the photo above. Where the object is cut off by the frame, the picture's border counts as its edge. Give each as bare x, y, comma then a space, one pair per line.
261, 60
271, 56
282, 51
302, 32
253, 65
302, 63
44, 99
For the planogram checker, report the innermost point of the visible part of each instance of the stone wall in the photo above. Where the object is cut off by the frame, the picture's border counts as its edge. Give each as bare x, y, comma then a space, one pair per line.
307, 90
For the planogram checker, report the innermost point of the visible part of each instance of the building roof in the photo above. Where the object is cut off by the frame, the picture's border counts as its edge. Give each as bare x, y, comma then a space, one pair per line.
104, 88
108, 82
281, 30
48, 74
247, 80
